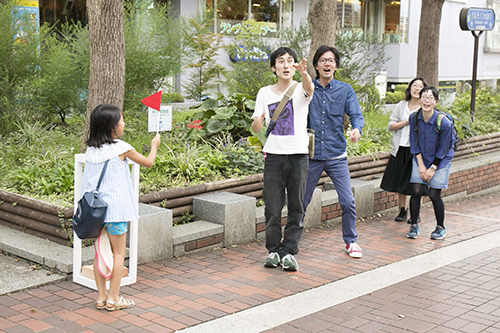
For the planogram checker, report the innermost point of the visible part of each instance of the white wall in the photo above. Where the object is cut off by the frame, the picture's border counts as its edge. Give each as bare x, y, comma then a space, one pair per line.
456, 48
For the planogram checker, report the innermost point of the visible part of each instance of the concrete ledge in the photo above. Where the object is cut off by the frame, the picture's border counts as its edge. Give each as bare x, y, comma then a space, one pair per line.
41, 251
196, 235
195, 230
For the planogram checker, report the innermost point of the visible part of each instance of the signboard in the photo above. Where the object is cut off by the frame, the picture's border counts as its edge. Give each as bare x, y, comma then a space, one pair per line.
477, 19
160, 121
30, 8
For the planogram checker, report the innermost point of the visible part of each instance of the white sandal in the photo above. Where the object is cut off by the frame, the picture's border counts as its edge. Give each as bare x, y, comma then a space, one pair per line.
122, 303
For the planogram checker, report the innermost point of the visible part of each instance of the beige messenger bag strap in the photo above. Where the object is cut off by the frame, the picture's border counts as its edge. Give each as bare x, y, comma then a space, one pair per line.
283, 102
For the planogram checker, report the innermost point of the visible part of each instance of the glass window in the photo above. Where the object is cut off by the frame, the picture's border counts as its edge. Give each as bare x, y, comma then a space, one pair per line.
396, 21
229, 14
56, 12
492, 43
349, 13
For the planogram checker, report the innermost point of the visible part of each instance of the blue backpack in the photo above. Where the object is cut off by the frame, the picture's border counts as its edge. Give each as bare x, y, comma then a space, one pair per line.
439, 120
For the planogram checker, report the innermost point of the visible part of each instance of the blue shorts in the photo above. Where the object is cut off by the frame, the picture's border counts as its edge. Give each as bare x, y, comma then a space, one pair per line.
439, 181
115, 228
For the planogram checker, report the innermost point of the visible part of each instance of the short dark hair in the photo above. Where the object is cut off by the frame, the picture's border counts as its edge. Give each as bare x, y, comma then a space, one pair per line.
103, 120
434, 91
281, 51
408, 89
322, 50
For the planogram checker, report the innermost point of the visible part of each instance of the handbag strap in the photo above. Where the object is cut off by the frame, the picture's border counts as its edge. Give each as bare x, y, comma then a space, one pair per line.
283, 102
102, 175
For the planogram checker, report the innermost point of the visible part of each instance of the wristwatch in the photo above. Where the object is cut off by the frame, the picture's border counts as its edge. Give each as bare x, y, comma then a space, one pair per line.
433, 168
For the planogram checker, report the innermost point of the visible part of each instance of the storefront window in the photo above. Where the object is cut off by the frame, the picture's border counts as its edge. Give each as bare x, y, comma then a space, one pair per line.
349, 14
230, 14
396, 21
492, 43
57, 12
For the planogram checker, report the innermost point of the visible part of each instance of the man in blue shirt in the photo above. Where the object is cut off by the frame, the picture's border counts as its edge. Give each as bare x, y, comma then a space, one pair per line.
333, 99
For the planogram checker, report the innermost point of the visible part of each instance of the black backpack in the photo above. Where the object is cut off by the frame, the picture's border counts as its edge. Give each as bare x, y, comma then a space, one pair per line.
439, 120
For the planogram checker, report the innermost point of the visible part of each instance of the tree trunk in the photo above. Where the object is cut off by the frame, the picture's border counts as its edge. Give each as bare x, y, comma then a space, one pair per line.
107, 57
323, 19
428, 41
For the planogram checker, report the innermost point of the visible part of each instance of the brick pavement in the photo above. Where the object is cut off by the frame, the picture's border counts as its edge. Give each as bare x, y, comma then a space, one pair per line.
179, 293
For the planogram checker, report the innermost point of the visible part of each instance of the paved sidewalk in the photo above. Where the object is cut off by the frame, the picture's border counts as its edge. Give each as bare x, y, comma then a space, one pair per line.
172, 295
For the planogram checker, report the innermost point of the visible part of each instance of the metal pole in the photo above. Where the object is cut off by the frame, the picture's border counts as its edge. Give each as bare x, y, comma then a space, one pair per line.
474, 75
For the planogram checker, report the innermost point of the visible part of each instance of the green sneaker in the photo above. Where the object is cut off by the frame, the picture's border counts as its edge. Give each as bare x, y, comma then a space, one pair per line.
272, 260
289, 263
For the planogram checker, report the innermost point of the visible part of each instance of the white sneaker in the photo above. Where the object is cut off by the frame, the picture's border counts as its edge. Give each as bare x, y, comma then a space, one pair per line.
354, 250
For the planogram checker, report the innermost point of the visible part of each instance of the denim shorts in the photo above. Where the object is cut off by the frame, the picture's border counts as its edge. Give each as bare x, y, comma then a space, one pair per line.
116, 228
439, 181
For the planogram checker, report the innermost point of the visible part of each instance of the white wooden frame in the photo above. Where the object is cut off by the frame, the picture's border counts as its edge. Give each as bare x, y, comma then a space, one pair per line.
133, 232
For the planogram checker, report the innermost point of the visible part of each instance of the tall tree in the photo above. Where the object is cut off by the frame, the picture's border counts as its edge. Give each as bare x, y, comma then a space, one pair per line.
428, 41
324, 27
107, 56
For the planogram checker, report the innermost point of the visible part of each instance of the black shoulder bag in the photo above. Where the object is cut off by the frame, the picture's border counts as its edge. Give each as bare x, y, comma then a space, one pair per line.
90, 212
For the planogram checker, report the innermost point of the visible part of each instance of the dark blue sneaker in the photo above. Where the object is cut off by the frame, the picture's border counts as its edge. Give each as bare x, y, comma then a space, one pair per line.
439, 233
414, 231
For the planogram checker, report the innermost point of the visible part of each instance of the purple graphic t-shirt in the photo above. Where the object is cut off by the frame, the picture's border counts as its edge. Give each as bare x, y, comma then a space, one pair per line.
284, 125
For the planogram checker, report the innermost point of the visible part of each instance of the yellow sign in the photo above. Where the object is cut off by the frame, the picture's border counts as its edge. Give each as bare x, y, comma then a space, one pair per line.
27, 3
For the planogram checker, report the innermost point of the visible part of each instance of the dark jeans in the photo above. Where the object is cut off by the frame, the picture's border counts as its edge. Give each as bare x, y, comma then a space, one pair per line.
284, 172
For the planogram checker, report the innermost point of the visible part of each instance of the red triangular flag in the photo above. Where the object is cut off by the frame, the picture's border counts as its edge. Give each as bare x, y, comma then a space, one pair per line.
153, 101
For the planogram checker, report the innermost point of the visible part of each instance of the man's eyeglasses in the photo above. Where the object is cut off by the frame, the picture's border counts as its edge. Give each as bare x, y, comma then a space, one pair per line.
428, 98
323, 61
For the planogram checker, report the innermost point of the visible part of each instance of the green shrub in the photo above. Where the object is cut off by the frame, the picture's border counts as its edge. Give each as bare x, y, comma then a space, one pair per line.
225, 115
171, 98
389, 98
398, 96
400, 87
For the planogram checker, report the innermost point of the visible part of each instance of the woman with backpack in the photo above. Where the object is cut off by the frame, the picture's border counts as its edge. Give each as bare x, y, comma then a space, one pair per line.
398, 171
431, 143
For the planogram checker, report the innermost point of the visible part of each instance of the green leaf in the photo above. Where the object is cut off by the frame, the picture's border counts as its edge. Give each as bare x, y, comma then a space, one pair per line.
209, 104
215, 126
250, 104
239, 123
226, 112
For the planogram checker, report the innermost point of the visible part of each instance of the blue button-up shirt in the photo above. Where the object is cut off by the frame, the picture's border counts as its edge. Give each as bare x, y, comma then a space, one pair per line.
326, 117
429, 143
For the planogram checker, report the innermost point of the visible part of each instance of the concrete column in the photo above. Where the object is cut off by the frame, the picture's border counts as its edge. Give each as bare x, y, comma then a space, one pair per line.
363, 192
155, 234
313, 212
236, 212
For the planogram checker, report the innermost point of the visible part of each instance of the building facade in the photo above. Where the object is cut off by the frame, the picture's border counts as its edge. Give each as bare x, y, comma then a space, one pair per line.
396, 21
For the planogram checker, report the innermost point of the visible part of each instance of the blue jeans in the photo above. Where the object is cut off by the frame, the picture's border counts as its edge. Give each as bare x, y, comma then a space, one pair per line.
284, 172
338, 171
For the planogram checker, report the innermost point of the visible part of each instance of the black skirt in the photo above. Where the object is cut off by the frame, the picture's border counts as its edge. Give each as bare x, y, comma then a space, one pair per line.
398, 172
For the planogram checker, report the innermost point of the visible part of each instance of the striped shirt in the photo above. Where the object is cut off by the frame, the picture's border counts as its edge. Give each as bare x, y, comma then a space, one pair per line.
116, 185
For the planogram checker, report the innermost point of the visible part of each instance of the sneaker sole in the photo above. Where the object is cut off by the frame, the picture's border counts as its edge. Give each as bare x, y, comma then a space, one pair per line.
289, 269
269, 265
411, 237
438, 238
355, 255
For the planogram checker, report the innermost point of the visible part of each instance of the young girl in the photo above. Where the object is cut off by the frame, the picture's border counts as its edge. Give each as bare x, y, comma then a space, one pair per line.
432, 153
398, 171
106, 126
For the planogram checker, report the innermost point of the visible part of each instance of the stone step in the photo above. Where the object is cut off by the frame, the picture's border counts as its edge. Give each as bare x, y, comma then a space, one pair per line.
41, 251
196, 235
